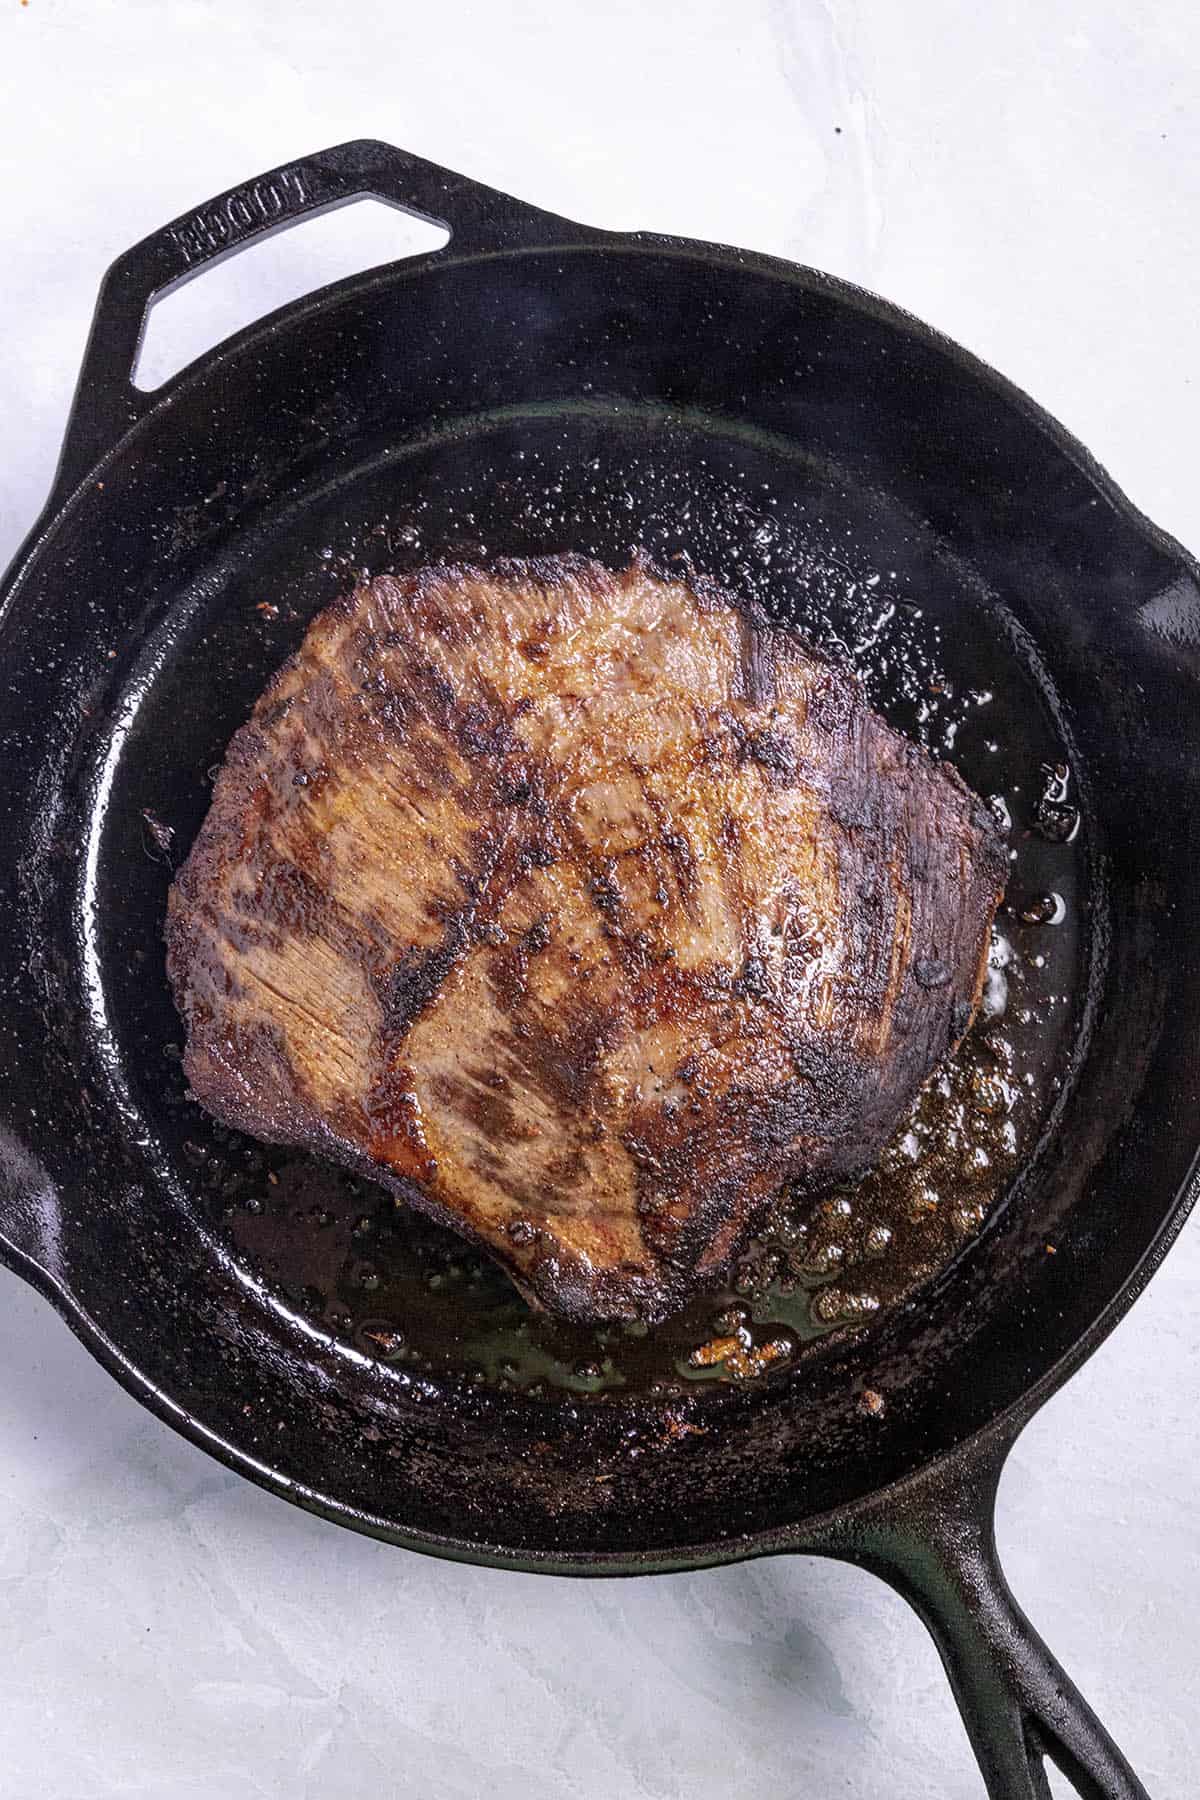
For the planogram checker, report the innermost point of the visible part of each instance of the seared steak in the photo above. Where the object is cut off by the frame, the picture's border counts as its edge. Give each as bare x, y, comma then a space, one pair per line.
585, 910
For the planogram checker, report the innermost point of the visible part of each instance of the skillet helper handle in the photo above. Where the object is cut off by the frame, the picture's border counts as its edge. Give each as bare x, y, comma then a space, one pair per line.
106, 403
933, 1540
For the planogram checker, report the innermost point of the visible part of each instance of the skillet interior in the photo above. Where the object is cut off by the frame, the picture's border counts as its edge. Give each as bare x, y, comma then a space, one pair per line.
650, 385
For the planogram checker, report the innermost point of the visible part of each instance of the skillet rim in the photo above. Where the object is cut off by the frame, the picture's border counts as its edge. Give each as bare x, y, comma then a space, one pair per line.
1004, 1424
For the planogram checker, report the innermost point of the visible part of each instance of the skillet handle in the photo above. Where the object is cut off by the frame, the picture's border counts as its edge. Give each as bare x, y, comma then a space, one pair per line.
933, 1540
106, 403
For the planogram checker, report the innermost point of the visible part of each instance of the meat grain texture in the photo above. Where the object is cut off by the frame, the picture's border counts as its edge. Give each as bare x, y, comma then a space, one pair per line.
584, 909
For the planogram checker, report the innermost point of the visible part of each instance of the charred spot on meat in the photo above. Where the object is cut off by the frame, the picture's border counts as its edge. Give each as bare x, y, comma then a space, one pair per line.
584, 909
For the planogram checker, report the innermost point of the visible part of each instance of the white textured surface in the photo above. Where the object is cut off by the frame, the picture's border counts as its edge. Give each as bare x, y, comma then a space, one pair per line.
1026, 176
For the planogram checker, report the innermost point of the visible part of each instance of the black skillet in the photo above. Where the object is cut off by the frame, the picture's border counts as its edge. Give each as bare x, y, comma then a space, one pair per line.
631, 372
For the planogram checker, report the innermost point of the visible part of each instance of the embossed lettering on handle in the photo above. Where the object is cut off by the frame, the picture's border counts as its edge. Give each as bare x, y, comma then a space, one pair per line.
239, 214
106, 401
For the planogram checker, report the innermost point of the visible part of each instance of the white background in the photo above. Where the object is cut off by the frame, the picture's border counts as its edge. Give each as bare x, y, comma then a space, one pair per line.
1025, 175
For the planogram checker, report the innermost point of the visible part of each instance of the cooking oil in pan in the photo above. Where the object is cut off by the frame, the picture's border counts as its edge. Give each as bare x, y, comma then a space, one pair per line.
410, 1294
414, 1297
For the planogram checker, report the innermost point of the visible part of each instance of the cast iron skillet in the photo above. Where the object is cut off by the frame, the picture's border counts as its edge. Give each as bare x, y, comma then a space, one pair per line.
128, 661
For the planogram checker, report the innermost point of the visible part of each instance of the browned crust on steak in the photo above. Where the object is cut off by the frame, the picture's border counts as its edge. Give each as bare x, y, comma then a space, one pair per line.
583, 909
